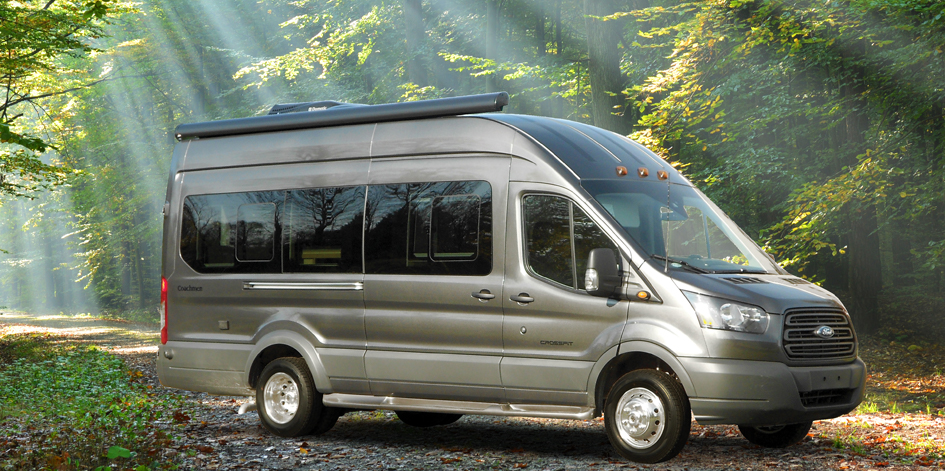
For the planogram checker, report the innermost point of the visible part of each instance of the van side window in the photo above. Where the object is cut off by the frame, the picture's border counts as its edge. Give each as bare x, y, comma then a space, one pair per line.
231, 233
440, 228
323, 230
559, 236
255, 232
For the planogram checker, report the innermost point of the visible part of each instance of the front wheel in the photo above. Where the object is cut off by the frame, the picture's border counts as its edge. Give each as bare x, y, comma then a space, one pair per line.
776, 436
647, 416
426, 419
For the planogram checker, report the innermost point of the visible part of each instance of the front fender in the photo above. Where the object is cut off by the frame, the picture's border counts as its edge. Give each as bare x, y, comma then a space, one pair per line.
677, 342
664, 355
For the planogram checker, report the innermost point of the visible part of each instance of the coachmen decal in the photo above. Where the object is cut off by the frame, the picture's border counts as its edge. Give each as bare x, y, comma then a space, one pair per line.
824, 332
189, 288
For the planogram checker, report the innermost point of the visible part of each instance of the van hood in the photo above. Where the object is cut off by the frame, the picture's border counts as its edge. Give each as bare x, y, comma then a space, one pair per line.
773, 293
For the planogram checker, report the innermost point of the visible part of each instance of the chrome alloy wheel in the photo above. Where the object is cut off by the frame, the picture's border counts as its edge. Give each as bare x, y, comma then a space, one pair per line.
640, 418
281, 398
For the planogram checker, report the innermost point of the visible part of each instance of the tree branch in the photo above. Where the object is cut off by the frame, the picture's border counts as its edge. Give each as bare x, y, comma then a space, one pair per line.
9, 104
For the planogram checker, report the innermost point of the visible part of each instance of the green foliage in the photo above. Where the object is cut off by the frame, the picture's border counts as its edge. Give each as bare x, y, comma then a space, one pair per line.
810, 123
84, 408
36, 39
804, 119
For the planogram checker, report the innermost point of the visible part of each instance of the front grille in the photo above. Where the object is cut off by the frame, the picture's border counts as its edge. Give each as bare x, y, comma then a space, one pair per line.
802, 343
826, 397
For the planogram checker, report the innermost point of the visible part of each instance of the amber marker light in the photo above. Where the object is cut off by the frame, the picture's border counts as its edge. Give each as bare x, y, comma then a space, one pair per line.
621, 171
643, 295
643, 172
662, 174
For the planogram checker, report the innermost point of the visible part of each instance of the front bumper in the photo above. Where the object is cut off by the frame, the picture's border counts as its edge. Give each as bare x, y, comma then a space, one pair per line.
761, 393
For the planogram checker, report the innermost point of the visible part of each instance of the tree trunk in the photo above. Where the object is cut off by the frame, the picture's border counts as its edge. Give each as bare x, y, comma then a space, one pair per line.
607, 82
558, 102
492, 40
413, 18
558, 28
866, 279
125, 264
540, 28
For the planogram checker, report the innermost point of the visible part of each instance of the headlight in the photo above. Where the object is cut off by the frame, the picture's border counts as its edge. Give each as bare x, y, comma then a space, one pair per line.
717, 313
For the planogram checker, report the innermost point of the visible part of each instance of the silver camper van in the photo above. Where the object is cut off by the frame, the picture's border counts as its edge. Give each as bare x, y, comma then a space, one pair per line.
435, 261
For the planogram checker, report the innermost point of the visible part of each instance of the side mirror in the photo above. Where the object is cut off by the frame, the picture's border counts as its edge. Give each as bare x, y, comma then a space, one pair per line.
602, 277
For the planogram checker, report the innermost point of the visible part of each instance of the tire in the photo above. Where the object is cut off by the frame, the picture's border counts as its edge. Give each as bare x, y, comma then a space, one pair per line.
326, 420
647, 416
288, 403
426, 419
777, 436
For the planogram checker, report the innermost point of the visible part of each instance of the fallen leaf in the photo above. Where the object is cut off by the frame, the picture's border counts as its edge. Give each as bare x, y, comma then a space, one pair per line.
180, 416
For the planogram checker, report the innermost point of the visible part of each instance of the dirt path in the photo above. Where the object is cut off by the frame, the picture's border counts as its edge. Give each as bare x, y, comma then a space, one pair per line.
122, 338
212, 435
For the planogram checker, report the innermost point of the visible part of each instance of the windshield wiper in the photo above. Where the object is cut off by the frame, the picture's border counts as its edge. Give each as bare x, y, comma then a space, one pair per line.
741, 270
681, 262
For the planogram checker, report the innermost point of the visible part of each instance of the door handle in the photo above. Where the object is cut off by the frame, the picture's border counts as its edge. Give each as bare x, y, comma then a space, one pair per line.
522, 298
483, 295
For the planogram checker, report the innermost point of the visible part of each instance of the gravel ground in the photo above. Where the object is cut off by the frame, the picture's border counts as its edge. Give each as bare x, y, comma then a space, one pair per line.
212, 436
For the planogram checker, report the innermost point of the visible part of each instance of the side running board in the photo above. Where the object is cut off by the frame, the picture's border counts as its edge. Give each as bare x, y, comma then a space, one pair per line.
356, 401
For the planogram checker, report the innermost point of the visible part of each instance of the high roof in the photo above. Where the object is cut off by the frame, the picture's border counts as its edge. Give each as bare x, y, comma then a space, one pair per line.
590, 152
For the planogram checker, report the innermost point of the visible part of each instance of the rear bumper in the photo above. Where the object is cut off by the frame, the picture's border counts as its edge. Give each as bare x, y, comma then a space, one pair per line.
768, 393
215, 368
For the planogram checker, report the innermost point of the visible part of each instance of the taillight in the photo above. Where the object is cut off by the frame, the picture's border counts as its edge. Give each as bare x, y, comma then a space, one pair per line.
163, 310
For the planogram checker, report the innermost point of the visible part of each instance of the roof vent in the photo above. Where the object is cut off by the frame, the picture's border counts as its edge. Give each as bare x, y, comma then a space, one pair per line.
299, 107
742, 280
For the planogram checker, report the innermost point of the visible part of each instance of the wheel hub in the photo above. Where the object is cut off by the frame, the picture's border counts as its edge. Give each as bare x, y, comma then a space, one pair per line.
640, 418
281, 398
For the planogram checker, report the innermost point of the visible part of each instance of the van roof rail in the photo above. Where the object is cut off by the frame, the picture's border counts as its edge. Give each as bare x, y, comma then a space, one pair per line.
343, 113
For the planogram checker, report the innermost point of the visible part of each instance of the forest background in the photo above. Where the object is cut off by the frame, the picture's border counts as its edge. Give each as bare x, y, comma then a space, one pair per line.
818, 126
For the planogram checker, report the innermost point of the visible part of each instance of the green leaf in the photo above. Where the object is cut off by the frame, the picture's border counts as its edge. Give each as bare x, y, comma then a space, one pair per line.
118, 452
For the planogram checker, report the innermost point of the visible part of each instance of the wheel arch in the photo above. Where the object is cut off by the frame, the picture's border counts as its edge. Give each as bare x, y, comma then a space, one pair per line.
635, 355
286, 344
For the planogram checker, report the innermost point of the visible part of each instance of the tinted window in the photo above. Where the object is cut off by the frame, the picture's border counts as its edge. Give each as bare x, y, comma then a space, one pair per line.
214, 227
454, 227
429, 228
256, 231
548, 237
587, 237
323, 230
559, 236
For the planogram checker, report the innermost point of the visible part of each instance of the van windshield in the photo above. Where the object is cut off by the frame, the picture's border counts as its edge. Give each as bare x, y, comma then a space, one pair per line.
678, 223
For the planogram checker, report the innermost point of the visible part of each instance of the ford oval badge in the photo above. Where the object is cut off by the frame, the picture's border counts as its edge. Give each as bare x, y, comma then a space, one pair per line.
824, 332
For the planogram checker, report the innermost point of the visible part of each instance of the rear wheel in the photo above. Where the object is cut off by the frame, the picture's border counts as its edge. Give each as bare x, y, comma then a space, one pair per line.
287, 401
776, 436
647, 416
426, 419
